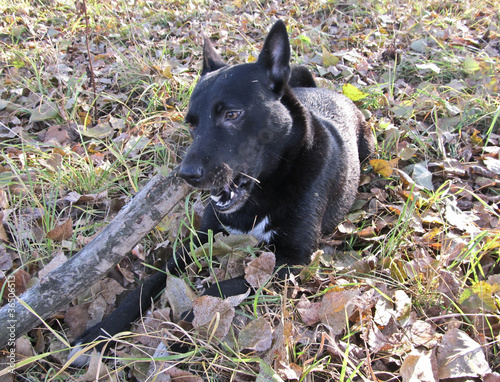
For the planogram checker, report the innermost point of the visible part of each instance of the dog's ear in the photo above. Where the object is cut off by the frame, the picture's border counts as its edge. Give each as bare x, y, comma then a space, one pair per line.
211, 59
275, 57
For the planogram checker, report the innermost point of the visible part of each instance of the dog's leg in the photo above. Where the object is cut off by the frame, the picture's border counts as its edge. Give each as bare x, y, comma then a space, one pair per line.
138, 301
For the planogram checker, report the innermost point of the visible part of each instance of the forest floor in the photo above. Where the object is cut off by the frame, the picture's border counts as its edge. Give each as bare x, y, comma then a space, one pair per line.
406, 288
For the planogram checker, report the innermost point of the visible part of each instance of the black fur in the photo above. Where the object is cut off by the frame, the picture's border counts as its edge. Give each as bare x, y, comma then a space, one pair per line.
280, 157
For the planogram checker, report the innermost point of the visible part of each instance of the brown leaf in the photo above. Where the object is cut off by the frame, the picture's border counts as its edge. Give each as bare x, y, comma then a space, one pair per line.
424, 334
382, 167
460, 356
309, 312
212, 316
259, 270
17, 280
257, 335
63, 231
179, 295
335, 307
179, 375
76, 318
419, 365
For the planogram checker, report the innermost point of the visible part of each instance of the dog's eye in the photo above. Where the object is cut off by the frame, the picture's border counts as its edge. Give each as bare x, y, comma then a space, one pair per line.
232, 114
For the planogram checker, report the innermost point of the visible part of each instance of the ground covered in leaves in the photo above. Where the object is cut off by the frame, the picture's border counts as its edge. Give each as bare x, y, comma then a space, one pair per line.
407, 287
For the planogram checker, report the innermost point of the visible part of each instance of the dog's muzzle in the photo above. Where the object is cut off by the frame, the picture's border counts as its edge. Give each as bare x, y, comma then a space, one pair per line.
232, 196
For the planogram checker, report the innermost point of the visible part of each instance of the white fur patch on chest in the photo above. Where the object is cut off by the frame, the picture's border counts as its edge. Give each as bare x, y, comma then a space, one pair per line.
260, 231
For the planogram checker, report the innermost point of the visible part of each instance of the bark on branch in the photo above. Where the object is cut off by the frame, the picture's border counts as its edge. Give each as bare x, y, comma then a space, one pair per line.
59, 287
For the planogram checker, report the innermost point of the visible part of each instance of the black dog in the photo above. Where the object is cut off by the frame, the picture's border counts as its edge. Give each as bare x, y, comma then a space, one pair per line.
280, 157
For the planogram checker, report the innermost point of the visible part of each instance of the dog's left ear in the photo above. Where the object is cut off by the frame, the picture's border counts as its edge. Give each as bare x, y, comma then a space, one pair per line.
211, 59
275, 57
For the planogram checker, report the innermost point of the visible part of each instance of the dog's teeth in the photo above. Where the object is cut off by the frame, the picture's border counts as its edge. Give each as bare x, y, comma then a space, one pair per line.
232, 195
215, 198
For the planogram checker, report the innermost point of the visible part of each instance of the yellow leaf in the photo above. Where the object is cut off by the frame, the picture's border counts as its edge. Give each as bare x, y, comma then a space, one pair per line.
353, 93
475, 139
470, 65
382, 167
251, 59
329, 59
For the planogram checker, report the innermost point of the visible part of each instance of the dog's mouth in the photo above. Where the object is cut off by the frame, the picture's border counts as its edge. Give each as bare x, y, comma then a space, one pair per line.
232, 196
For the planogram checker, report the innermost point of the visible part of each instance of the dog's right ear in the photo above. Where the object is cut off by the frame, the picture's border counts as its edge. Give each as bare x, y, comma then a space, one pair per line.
275, 57
211, 59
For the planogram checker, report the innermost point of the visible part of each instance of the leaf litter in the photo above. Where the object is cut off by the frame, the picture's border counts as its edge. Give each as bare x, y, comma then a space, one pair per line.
407, 287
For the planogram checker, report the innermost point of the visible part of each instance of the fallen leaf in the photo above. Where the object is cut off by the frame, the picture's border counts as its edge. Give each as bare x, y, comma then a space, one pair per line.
57, 135
353, 93
460, 356
480, 296
46, 110
457, 218
419, 46
329, 59
76, 318
20, 278
260, 270
212, 316
470, 65
257, 335
309, 312
180, 375
419, 366
382, 167
267, 373
422, 176
492, 164
336, 308
424, 334
179, 295
429, 66
63, 231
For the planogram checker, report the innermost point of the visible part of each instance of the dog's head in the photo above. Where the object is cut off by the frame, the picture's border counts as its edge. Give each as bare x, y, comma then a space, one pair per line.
239, 126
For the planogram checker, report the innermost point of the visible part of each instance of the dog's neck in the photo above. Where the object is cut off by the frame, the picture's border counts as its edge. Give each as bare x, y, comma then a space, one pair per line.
302, 118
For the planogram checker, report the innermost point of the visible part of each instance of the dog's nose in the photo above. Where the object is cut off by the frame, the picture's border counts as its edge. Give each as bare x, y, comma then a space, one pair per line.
191, 173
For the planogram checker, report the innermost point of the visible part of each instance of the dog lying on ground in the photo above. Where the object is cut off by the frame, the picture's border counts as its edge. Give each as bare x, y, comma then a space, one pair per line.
279, 156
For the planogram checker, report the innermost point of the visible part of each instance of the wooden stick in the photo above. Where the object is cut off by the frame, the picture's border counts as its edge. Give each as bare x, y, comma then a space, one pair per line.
59, 287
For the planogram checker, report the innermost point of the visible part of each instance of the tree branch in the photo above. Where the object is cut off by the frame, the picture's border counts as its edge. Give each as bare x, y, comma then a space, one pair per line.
64, 283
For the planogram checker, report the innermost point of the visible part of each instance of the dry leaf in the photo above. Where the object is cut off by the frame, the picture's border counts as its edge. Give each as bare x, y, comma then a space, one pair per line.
419, 366
179, 295
460, 356
257, 335
212, 316
353, 93
382, 167
309, 312
20, 278
424, 334
260, 270
63, 231
336, 308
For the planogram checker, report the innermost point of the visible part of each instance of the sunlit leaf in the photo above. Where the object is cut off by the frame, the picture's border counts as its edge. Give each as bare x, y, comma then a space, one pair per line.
470, 65
382, 167
353, 93
329, 59
47, 110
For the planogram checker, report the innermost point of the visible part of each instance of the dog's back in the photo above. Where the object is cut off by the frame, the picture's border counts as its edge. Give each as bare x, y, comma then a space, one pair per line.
348, 127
